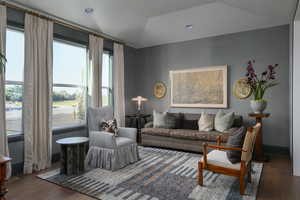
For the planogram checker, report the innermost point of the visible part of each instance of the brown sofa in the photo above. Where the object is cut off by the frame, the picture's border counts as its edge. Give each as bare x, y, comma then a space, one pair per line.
186, 136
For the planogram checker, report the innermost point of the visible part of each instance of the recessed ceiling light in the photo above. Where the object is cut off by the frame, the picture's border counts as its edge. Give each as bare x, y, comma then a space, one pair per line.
189, 26
88, 11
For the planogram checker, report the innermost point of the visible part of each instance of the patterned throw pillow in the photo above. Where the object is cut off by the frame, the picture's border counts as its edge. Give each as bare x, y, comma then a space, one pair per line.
236, 140
110, 126
206, 122
224, 121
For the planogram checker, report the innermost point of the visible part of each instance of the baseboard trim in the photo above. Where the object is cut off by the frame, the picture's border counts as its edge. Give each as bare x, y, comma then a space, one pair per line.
18, 168
276, 149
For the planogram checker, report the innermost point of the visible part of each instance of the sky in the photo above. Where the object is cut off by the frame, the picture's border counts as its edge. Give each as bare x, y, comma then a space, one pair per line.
69, 61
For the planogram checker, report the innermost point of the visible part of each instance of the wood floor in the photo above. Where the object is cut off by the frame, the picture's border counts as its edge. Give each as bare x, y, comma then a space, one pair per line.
276, 183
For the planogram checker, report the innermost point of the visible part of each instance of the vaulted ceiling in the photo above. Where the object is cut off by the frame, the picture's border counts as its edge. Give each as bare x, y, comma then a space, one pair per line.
144, 23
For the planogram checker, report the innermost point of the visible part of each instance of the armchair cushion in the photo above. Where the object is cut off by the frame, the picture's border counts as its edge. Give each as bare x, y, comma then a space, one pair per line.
102, 139
123, 141
130, 133
219, 158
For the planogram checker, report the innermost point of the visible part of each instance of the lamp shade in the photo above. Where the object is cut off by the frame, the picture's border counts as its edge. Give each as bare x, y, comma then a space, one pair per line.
139, 100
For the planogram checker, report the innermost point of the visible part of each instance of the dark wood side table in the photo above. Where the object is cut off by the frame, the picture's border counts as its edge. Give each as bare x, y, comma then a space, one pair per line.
73, 152
138, 121
3, 162
259, 152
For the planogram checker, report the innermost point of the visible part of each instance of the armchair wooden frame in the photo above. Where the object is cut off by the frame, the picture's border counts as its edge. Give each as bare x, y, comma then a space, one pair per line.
245, 166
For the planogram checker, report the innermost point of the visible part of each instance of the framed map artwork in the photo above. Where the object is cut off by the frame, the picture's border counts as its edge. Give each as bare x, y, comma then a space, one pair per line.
204, 87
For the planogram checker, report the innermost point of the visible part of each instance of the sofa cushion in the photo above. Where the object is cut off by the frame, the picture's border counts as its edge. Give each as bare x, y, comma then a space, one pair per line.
166, 120
238, 121
190, 121
178, 119
195, 134
189, 134
156, 131
224, 121
159, 119
206, 122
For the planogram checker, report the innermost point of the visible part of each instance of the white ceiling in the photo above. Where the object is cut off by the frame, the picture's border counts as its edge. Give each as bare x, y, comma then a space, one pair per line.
144, 23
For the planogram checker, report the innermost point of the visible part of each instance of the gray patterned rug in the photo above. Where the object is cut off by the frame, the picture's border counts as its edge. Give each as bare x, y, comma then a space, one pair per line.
160, 174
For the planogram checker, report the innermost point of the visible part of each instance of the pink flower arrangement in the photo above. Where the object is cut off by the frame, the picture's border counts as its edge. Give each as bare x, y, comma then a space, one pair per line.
259, 85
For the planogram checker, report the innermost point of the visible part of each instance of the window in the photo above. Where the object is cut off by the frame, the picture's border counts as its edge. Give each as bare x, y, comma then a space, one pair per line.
107, 79
14, 80
69, 83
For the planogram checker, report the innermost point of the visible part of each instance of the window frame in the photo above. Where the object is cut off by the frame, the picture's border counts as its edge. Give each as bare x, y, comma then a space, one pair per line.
19, 136
110, 87
9, 82
64, 128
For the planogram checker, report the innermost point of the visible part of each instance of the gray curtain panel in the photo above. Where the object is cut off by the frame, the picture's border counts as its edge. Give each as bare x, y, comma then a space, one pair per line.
95, 62
3, 135
118, 84
37, 100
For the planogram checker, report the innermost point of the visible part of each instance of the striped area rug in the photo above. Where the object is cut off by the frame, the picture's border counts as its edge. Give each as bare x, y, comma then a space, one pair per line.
160, 174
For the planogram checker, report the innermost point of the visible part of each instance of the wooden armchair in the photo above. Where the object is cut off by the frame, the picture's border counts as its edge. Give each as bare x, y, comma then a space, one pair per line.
217, 161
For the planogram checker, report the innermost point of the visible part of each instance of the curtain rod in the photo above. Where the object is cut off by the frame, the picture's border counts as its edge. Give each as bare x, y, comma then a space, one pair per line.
58, 21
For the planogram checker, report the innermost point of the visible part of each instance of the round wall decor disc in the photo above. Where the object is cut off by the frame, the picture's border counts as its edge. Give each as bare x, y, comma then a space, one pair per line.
160, 90
242, 89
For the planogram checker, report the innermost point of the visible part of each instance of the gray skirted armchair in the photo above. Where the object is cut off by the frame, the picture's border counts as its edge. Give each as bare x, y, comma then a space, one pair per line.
106, 150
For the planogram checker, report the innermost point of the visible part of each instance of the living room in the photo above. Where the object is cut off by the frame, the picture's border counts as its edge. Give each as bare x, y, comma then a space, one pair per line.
193, 99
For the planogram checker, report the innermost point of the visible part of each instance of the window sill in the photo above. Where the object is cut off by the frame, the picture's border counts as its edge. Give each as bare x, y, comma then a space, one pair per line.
66, 129
17, 137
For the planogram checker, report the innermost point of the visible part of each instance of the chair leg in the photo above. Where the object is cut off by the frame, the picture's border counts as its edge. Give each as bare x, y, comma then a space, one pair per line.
249, 176
242, 184
200, 174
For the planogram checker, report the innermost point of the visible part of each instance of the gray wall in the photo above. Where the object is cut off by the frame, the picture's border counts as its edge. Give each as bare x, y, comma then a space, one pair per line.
296, 94
266, 46
131, 63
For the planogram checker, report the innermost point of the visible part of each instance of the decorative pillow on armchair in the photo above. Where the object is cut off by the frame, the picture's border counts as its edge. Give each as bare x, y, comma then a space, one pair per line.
110, 126
236, 140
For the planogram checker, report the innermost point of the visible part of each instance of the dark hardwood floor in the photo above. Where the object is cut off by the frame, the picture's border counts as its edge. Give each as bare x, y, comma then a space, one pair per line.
276, 183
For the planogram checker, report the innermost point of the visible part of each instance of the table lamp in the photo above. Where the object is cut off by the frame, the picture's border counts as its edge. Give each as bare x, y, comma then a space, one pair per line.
139, 100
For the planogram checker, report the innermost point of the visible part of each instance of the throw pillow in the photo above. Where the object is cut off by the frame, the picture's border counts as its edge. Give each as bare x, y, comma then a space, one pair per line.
110, 126
171, 121
206, 122
224, 121
164, 120
159, 119
236, 140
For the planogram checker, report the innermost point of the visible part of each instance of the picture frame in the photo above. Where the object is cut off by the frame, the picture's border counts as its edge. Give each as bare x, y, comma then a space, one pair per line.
204, 87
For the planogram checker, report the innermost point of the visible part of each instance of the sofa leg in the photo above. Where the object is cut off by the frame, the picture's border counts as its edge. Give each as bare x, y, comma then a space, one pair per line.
200, 174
